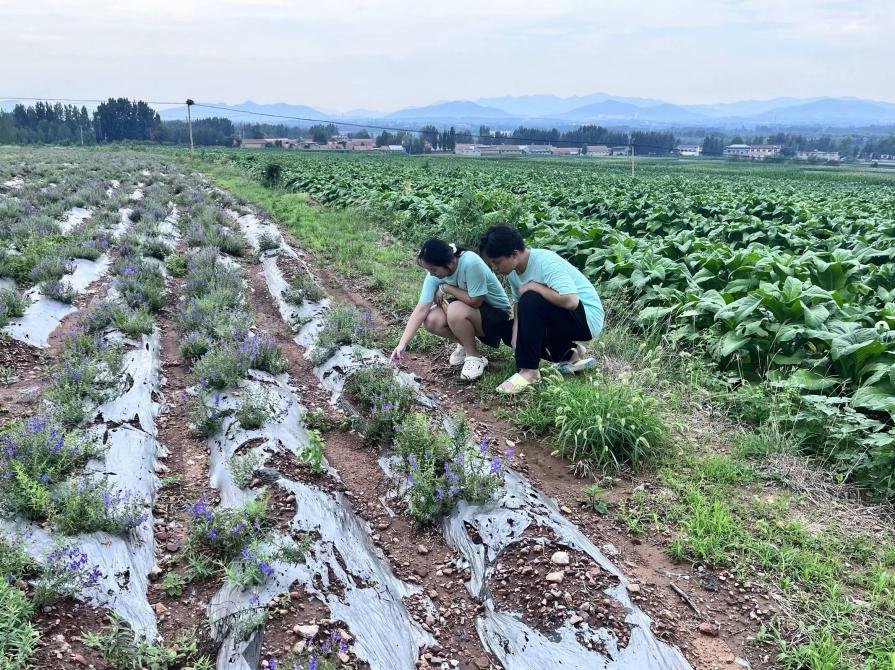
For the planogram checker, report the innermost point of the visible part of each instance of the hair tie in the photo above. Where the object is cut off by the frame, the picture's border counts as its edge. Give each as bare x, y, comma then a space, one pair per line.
453, 247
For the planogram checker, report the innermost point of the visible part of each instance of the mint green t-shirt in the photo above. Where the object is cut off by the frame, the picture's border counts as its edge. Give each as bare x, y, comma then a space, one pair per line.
474, 277
549, 268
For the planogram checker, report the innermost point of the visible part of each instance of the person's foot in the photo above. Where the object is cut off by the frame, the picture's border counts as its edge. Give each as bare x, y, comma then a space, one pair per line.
473, 368
518, 382
579, 353
458, 355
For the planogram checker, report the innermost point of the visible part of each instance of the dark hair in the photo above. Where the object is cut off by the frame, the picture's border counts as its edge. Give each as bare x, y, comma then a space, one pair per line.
501, 241
438, 252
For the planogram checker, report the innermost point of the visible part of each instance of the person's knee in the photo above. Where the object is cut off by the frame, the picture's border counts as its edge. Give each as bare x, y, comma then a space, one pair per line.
532, 300
457, 311
434, 322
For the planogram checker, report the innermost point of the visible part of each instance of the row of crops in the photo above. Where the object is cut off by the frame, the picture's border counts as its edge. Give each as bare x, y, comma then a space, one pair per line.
780, 278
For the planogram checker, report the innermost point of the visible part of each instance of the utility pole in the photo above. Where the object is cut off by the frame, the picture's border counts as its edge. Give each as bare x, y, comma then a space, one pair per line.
82, 135
189, 120
632, 155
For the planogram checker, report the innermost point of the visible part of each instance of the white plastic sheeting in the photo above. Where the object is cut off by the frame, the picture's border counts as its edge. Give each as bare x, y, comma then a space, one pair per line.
73, 218
44, 314
365, 595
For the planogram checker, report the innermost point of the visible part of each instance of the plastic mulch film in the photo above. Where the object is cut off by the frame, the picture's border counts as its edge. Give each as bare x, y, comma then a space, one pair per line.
124, 562
74, 217
501, 523
44, 314
343, 569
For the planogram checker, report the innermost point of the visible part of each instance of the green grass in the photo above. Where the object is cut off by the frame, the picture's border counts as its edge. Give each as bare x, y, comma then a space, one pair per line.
342, 240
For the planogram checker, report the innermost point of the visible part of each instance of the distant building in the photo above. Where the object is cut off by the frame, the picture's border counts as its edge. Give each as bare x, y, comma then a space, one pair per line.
596, 150
537, 149
620, 151
396, 149
360, 144
689, 149
564, 151
762, 151
500, 150
466, 150
823, 156
269, 142
737, 150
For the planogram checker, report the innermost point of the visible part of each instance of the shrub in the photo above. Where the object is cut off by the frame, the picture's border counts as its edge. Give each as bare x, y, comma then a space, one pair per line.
607, 425
12, 305
253, 568
155, 248
254, 408
36, 455
142, 285
88, 505
64, 574
222, 366
266, 355
343, 324
134, 322
58, 290
302, 288
205, 420
15, 563
18, 636
441, 468
268, 242
242, 468
383, 400
223, 533
89, 249
51, 270
176, 265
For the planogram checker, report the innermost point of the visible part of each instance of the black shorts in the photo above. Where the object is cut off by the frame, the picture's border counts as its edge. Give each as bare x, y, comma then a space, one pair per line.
497, 326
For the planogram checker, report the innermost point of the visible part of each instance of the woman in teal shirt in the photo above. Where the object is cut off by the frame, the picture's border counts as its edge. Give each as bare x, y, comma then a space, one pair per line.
461, 300
557, 308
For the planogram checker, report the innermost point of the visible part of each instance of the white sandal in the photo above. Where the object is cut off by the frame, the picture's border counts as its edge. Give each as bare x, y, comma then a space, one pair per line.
473, 368
458, 355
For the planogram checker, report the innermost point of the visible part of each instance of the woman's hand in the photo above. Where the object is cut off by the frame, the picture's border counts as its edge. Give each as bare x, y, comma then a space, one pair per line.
395, 358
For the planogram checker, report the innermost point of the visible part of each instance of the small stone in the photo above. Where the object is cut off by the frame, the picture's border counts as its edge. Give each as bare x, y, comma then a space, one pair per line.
560, 558
421, 571
564, 509
575, 619
382, 525
556, 577
160, 608
710, 629
155, 572
173, 545
80, 660
308, 631
422, 549
482, 663
633, 588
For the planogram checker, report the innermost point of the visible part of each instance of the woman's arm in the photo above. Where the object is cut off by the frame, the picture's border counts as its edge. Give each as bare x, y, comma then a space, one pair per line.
564, 300
417, 316
463, 296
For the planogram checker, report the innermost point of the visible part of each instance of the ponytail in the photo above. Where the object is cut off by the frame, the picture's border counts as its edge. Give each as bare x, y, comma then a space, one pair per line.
438, 252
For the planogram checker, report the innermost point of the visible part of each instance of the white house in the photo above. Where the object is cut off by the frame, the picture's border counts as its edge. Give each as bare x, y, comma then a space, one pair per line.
466, 150
762, 151
596, 150
737, 150
396, 148
689, 149
537, 149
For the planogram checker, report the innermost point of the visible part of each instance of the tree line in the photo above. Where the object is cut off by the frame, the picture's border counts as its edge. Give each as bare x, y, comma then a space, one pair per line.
115, 120
121, 119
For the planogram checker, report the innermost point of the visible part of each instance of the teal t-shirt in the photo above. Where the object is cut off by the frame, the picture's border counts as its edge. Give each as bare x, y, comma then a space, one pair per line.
474, 277
549, 268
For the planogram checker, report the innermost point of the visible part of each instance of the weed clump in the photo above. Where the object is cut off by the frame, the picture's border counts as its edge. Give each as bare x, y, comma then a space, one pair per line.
606, 425
303, 288
12, 305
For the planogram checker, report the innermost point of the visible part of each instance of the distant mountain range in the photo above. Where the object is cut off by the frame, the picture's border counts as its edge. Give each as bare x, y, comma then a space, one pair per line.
548, 110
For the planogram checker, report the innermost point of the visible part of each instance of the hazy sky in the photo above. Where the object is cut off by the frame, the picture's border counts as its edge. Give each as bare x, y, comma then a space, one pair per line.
345, 54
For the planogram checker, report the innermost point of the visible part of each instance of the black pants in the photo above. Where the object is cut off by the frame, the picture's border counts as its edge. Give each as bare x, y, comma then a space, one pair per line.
547, 331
